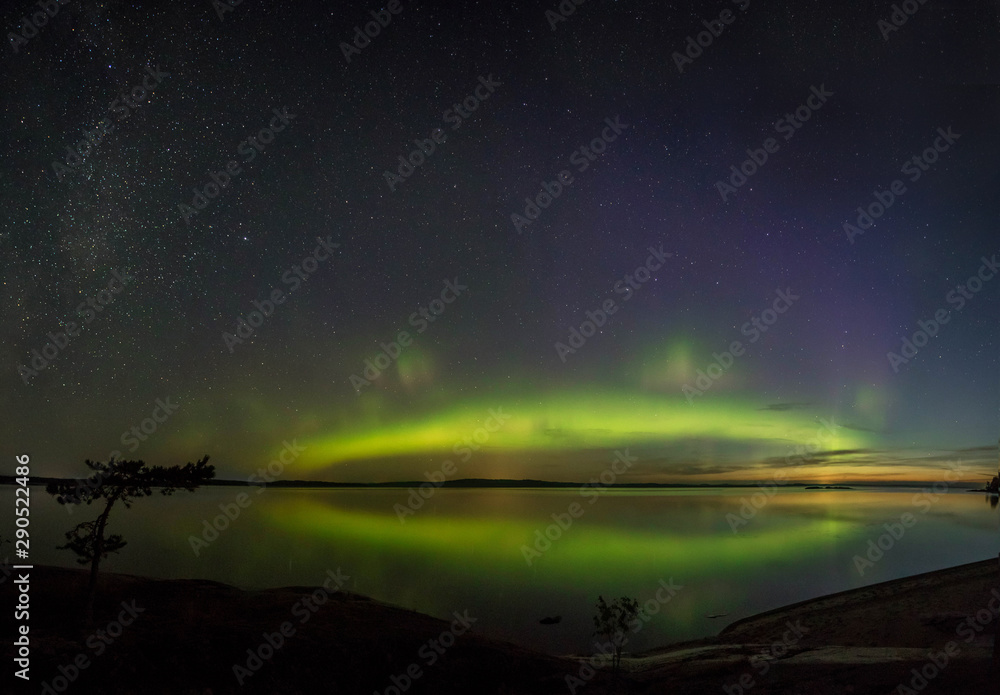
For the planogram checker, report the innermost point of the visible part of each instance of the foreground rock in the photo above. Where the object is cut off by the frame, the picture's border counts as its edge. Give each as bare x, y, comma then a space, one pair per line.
866, 640
188, 636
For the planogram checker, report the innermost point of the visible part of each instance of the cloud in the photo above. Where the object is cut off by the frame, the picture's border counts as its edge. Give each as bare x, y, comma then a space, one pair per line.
662, 465
822, 458
889, 458
859, 428
782, 407
847, 452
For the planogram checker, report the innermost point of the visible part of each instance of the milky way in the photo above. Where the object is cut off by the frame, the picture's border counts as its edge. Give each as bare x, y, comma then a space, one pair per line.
699, 231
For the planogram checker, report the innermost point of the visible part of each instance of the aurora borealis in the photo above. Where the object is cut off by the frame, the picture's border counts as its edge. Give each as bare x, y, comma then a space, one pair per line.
446, 313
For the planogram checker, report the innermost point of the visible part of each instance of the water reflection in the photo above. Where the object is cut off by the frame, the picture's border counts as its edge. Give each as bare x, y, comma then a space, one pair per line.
464, 549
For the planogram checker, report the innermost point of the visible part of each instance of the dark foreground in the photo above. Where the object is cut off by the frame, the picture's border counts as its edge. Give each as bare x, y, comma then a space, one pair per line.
185, 637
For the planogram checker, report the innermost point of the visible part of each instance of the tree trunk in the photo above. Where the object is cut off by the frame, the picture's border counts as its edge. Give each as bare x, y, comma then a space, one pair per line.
95, 562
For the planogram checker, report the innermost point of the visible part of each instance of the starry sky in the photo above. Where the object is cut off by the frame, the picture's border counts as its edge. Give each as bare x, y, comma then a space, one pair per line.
130, 276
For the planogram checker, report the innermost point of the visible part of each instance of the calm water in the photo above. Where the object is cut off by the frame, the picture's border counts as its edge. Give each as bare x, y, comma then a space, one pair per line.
463, 549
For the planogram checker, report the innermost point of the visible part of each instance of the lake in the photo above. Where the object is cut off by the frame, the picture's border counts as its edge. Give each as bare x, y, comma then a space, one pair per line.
469, 549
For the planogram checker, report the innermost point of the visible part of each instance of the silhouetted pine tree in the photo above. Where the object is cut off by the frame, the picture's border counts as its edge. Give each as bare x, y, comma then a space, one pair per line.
117, 481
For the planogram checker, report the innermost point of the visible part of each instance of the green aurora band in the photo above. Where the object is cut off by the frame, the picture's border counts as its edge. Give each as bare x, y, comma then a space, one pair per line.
580, 420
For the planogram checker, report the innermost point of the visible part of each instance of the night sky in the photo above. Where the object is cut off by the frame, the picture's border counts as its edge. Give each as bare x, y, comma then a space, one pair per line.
320, 214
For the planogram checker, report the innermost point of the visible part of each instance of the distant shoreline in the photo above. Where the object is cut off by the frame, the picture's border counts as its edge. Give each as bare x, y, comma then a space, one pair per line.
490, 483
